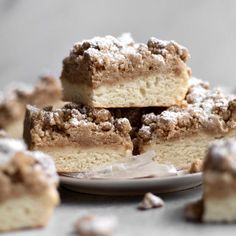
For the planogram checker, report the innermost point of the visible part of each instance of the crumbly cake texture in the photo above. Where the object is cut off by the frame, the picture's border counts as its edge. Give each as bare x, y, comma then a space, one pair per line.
181, 134
28, 183
45, 92
78, 137
117, 72
219, 188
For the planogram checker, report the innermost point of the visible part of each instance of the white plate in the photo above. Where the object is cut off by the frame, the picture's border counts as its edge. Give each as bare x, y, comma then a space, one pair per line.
132, 186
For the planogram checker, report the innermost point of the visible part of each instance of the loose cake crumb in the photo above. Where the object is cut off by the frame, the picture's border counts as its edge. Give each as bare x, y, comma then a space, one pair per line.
150, 201
196, 166
91, 225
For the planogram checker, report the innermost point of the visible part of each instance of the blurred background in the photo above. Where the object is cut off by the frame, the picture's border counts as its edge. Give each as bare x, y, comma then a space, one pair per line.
36, 36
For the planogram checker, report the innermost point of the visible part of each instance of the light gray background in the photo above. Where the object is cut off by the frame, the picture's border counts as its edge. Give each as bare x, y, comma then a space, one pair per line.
36, 35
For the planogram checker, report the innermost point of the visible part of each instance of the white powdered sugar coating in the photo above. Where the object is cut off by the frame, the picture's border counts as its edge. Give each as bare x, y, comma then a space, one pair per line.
221, 155
8, 147
109, 51
44, 162
73, 121
126, 38
122, 121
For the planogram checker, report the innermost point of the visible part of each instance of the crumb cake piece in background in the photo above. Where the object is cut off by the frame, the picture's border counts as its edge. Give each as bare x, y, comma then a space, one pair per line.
108, 72
180, 135
28, 183
219, 185
47, 91
79, 138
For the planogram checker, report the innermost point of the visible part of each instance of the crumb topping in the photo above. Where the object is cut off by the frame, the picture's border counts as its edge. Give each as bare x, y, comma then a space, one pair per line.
13, 102
76, 124
107, 58
23, 171
221, 156
209, 110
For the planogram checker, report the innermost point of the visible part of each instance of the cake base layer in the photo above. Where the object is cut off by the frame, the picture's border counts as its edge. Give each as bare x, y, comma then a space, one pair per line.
220, 210
28, 211
219, 195
15, 129
143, 91
77, 159
183, 151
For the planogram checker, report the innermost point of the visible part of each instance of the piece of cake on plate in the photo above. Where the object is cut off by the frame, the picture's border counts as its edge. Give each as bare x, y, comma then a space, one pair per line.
180, 135
219, 185
108, 72
28, 183
79, 138
47, 91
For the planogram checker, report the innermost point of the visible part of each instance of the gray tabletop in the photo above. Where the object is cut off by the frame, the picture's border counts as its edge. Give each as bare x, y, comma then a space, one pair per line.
36, 36
168, 220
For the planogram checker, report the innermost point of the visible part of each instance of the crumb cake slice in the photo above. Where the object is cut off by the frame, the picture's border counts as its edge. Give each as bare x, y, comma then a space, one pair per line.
180, 135
219, 185
28, 183
46, 92
108, 72
79, 138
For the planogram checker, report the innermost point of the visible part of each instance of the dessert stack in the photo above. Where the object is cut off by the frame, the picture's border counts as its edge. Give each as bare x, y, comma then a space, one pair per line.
127, 98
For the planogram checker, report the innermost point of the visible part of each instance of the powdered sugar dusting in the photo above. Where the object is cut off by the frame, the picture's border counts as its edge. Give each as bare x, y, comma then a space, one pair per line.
73, 121
222, 155
44, 162
126, 38
8, 147
123, 53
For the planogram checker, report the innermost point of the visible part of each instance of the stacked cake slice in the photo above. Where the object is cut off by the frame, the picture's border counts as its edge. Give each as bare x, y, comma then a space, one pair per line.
180, 135
128, 98
109, 72
78, 137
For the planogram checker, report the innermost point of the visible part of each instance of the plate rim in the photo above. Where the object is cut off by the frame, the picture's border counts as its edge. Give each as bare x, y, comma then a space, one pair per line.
64, 178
